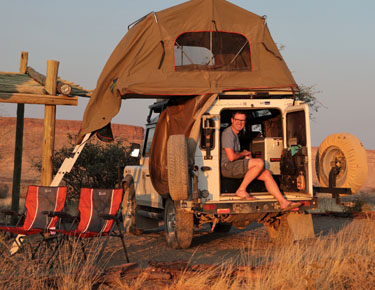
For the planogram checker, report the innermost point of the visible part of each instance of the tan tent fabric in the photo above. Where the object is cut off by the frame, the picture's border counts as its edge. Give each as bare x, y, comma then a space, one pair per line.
143, 63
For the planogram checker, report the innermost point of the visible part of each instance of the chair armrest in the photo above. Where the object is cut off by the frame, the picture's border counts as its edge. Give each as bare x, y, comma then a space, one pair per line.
108, 216
59, 214
10, 212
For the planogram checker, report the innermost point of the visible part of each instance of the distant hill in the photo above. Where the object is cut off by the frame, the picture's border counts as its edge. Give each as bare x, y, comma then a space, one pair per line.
32, 145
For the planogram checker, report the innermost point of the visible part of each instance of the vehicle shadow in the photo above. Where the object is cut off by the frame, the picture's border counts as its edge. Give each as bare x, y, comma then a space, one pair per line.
328, 224
204, 235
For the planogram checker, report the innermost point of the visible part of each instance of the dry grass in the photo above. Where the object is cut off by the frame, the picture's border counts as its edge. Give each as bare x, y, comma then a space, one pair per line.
66, 270
344, 260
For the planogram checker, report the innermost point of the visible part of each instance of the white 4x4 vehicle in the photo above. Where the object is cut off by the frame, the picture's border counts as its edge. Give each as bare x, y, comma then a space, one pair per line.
215, 57
278, 131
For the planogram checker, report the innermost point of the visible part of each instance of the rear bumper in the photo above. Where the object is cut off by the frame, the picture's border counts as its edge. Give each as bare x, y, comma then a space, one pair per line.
249, 207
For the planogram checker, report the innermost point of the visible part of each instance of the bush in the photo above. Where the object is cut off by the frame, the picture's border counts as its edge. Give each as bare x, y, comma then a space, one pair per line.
4, 190
98, 165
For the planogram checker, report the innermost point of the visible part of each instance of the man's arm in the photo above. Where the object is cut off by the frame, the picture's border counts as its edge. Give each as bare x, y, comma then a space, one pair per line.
232, 156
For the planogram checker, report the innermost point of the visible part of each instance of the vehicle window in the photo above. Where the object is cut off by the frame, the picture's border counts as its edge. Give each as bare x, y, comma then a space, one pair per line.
212, 50
296, 128
257, 130
148, 141
262, 113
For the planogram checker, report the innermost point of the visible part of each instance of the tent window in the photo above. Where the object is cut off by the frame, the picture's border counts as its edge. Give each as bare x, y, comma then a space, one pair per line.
212, 50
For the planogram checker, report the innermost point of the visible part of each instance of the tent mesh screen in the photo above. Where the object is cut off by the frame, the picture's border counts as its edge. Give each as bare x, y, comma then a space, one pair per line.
212, 50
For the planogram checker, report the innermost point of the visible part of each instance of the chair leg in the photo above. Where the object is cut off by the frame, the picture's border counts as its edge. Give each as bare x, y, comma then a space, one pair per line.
83, 249
101, 252
33, 252
122, 241
59, 243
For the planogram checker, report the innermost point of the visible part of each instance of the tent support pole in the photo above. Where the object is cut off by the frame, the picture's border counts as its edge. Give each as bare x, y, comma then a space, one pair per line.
69, 162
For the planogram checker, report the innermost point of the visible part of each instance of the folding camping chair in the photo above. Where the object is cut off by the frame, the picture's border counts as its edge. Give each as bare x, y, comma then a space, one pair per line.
99, 214
39, 201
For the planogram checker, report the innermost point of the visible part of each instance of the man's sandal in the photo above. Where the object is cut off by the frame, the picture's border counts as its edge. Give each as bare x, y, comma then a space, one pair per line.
292, 205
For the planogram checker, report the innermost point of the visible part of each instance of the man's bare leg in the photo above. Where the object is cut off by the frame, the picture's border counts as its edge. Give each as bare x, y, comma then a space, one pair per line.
274, 190
255, 167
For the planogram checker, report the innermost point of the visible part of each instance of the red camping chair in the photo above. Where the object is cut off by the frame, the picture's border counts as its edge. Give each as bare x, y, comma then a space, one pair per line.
99, 213
39, 201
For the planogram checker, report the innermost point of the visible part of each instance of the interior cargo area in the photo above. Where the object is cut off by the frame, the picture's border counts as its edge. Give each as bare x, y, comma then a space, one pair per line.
263, 136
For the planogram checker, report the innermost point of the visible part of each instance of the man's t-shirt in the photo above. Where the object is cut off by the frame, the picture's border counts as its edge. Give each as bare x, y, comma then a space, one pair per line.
229, 139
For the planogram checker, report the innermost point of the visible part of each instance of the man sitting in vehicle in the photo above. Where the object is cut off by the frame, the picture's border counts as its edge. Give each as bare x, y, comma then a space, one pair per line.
239, 164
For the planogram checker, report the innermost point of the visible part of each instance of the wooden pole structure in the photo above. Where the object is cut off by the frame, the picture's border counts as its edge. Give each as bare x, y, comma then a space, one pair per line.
17, 168
49, 124
61, 87
24, 60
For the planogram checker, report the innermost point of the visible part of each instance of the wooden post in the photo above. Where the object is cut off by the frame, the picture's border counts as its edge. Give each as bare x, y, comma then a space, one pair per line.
49, 124
17, 167
24, 59
18, 158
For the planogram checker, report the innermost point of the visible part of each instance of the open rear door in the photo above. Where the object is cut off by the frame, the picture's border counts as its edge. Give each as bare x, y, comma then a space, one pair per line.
297, 139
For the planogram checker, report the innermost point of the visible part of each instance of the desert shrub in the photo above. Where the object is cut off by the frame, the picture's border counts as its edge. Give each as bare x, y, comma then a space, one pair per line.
308, 95
98, 166
4, 190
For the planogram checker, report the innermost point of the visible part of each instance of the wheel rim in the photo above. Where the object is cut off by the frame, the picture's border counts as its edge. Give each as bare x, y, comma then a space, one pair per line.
171, 220
332, 156
128, 207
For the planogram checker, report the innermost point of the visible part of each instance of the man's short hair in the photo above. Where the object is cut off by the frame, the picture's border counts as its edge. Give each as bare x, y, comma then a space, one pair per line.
238, 112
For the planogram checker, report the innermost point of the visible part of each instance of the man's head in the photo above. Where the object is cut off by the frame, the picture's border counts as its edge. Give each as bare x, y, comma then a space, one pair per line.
238, 121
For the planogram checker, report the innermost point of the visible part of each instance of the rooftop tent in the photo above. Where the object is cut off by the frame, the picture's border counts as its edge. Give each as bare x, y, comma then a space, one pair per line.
195, 48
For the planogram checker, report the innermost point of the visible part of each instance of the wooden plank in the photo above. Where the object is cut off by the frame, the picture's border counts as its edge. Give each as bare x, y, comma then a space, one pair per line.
23, 89
38, 99
17, 79
9, 73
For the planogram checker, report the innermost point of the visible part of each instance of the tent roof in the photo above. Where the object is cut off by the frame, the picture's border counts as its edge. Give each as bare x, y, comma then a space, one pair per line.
146, 62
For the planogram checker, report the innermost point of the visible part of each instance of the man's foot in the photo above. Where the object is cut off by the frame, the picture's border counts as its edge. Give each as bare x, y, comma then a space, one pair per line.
291, 205
244, 194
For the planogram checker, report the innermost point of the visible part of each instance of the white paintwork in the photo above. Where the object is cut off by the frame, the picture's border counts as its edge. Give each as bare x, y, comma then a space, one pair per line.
210, 180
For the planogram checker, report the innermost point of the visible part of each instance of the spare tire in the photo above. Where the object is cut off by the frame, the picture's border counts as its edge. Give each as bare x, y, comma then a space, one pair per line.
347, 151
178, 169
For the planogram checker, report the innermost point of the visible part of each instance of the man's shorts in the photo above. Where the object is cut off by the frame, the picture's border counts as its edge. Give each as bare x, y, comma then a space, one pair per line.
235, 169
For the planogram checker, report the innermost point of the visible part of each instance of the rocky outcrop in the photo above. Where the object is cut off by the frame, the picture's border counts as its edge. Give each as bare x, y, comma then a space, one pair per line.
32, 148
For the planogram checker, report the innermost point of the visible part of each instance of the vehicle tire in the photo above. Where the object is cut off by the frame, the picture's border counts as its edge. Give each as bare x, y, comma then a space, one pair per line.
279, 231
179, 226
346, 149
178, 172
128, 204
222, 227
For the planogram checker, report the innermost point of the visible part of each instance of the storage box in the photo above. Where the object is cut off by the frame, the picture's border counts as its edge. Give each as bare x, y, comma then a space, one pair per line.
269, 149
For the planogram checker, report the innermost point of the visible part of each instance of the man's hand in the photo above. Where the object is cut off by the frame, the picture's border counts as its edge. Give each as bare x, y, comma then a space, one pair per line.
245, 153
232, 156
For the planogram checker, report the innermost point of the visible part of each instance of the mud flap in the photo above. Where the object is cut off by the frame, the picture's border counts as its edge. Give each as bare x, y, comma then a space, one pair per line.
300, 225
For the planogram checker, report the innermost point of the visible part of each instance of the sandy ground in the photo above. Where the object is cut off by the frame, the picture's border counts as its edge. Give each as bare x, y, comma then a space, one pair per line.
211, 248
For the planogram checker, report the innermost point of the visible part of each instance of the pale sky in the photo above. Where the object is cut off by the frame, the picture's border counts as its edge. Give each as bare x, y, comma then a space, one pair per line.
328, 43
